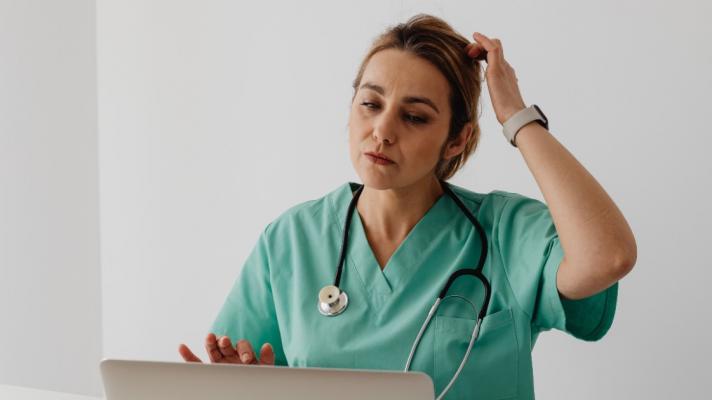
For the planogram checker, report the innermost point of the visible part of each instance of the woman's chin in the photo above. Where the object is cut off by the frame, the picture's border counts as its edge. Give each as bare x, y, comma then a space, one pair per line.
376, 181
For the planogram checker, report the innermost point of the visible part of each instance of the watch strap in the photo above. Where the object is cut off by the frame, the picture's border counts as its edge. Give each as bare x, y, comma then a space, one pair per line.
512, 126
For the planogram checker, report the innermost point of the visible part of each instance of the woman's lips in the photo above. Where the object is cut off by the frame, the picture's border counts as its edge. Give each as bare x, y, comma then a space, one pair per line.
378, 160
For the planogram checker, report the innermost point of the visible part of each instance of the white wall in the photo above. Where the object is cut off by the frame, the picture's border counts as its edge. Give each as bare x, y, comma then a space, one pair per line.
216, 116
50, 332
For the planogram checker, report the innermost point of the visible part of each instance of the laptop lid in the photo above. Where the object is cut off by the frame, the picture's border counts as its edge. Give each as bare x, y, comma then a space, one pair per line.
157, 380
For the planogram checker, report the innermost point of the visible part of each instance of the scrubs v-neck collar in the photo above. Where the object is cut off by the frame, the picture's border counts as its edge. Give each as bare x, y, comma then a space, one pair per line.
406, 259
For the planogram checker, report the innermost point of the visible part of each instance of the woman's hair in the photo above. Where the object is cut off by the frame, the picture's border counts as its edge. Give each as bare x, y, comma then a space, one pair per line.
434, 40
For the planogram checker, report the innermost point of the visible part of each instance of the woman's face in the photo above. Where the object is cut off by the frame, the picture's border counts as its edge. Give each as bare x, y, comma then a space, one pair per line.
401, 109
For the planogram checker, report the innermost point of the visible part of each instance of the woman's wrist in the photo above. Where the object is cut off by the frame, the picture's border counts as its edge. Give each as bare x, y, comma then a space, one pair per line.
525, 130
509, 113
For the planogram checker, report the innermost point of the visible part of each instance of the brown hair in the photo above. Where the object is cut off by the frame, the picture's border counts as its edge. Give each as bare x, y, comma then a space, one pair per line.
434, 40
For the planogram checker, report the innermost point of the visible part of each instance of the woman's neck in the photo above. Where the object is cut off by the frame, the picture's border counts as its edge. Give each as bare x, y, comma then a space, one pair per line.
391, 213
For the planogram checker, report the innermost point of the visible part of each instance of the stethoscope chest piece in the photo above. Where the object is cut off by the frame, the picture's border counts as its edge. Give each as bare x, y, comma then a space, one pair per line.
332, 301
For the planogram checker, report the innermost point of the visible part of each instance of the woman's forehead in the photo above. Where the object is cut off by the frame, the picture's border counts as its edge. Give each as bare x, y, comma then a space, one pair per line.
404, 74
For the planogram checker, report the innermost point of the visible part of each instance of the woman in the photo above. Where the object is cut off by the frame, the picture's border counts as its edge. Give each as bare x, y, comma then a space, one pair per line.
413, 124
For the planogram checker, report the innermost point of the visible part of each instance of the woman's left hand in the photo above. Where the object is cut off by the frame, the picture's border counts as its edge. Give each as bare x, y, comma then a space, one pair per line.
501, 79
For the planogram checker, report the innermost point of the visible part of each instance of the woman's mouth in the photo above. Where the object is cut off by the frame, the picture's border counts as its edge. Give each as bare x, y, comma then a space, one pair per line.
378, 159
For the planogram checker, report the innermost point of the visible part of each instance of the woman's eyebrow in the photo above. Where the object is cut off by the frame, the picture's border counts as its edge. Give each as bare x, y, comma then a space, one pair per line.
407, 99
424, 100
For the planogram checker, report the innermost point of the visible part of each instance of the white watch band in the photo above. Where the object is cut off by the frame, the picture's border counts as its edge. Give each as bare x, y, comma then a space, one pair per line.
512, 125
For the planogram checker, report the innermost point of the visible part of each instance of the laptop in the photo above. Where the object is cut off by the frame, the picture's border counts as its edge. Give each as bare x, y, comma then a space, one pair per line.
156, 380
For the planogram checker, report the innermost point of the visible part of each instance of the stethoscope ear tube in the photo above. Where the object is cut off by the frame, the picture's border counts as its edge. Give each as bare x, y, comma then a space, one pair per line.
420, 333
475, 334
473, 338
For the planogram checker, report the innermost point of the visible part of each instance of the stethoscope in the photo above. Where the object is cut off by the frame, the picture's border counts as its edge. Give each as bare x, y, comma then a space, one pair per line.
333, 301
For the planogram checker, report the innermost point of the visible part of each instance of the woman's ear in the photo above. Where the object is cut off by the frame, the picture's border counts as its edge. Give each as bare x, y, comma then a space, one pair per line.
457, 145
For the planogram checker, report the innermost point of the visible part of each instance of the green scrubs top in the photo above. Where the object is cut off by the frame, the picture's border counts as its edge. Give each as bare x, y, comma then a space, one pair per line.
274, 298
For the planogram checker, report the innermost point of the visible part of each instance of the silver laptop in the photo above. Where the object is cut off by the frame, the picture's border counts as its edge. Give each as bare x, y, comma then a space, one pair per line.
139, 380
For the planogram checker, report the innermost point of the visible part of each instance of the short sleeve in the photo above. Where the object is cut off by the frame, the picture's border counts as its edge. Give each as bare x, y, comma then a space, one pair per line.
249, 312
531, 255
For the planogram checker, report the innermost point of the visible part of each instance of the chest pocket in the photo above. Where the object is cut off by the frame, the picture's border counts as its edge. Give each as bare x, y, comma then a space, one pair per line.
491, 372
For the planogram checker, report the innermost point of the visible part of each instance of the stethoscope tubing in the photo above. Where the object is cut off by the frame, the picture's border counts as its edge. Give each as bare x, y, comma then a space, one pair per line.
335, 300
477, 272
345, 240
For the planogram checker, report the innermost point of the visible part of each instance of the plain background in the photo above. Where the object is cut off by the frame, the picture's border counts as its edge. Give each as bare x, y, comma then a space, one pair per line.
144, 145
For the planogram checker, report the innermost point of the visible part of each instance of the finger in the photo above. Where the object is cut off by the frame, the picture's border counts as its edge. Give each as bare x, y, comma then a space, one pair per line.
498, 43
225, 346
247, 355
490, 45
480, 54
187, 354
475, 50
267, 354
211, 347
486, 42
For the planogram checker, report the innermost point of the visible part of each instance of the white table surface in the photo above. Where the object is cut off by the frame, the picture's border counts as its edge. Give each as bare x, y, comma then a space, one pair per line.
8, 392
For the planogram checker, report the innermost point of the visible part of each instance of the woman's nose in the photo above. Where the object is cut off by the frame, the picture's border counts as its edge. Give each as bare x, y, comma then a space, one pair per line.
384, 130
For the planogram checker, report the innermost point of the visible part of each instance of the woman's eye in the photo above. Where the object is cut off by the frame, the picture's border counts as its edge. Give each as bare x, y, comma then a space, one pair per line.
415, 119
370, 105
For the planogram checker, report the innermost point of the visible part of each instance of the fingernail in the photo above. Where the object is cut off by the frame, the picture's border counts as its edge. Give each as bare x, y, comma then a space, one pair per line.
245, 357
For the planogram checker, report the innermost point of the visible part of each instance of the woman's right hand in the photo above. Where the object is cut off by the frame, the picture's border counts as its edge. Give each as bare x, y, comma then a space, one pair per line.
220, 350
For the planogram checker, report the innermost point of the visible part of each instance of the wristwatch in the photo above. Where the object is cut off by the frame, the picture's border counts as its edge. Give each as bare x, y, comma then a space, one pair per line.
522, 117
